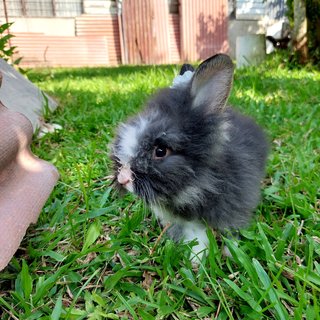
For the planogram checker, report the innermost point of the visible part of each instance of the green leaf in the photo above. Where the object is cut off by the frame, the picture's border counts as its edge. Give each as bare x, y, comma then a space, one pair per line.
272, 192
242, 259
214, 255
112, 280
17, 61
145, 315
6, 38
54, 255
132, 288
100, 211
112, 316
287, 233
92, 234
271, 292
45, 284
57, 310
204, 311
127, 305
136, 219
310, 314
245, 296
26, 280
311, 276
126, 259
194, 293
35, 315
165, 310
187, 274
5, 26
99, 299
265, 244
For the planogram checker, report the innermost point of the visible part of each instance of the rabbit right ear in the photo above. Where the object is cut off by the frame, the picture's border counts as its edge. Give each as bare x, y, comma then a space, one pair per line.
212, 82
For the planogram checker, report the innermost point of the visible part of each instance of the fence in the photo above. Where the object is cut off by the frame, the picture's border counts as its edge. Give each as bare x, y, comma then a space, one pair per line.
137, 32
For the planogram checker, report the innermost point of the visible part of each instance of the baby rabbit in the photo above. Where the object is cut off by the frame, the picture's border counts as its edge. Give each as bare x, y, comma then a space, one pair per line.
191, 158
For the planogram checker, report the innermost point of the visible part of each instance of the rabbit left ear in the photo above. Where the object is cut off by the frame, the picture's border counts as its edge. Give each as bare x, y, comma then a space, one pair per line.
212, 82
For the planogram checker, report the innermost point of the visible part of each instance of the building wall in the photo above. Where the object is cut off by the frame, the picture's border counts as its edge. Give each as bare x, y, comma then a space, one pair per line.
165, 35
188, 38
50, 27
247, 17
182, 30
204, 28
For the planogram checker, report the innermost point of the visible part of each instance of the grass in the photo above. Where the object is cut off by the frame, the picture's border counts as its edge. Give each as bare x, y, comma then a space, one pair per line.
93, 254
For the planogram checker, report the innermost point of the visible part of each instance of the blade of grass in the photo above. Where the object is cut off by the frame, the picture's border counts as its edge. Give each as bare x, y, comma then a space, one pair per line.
267, 286
128, 307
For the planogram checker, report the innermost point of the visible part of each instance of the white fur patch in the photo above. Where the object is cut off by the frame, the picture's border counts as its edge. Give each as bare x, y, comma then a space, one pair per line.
129, 186
191, 230
223, 138
196, 230
129, 140
224, 127
182, 80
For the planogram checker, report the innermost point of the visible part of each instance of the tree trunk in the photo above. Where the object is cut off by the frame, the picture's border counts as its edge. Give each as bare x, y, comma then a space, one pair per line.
300, 30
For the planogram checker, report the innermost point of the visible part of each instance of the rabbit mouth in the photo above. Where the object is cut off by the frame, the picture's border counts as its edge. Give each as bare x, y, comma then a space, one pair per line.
137, 184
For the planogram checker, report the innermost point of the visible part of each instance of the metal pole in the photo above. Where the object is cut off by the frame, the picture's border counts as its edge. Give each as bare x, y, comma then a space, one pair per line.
54, 8
7, 21
23, 7
123, 44
6, 12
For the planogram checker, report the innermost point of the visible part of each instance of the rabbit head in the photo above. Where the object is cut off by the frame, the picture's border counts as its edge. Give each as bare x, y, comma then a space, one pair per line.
178, 138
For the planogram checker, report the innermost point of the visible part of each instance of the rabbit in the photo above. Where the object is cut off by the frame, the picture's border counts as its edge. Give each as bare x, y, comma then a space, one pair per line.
194, 160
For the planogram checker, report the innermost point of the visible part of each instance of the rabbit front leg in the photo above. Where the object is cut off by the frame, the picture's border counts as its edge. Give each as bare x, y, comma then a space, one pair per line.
195, 230
184, 230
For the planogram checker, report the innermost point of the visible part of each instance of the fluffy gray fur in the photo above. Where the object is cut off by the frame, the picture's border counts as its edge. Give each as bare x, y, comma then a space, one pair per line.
216, 156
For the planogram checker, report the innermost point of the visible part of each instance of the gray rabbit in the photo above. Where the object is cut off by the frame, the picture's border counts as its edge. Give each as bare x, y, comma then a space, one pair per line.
194, 160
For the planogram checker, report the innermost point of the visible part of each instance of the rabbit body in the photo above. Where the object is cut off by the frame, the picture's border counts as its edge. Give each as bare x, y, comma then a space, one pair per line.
193, 159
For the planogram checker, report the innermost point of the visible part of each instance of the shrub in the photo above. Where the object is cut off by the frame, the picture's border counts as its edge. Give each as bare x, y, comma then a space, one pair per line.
7, 51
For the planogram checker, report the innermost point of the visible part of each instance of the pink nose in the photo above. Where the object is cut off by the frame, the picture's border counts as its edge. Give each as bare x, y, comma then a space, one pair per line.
124, 176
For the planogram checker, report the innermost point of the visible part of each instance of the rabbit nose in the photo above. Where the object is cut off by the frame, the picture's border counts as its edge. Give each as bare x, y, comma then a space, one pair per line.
124, 176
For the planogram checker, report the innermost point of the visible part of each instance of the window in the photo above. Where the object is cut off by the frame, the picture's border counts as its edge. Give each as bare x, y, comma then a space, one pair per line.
42, 8
250, 9
257, 9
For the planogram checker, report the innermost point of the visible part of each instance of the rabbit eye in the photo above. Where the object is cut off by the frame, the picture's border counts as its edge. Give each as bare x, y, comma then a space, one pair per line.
160, 152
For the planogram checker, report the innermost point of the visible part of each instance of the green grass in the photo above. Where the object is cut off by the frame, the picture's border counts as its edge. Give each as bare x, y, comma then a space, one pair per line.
92, 254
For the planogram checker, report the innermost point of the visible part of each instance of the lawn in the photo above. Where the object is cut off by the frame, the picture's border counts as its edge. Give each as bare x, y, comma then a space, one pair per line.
95, 255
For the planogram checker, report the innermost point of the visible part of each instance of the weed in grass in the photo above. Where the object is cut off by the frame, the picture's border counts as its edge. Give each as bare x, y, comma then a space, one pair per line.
88, 257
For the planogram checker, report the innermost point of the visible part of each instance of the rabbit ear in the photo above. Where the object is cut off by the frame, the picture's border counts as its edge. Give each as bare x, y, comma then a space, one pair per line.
212, 82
